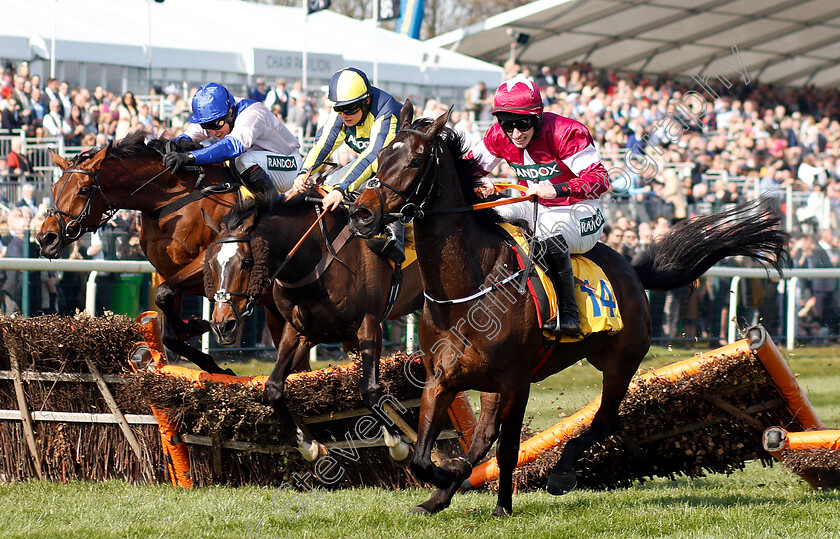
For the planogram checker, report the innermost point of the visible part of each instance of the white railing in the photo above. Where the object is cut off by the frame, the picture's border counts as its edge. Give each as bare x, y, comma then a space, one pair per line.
791, 278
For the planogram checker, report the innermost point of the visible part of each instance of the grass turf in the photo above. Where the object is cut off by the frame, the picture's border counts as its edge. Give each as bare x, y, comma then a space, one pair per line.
757, 502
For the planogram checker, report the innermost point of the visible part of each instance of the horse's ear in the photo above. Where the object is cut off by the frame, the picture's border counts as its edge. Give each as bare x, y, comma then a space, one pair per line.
59, 161
406, 114
211, 223
439, 123
100, 156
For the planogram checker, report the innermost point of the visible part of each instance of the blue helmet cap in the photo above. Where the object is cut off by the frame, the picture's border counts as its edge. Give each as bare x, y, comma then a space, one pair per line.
211, 102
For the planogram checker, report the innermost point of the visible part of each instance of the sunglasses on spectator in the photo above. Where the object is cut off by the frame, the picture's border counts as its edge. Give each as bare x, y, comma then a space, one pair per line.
522, 124
214, 124
352, 108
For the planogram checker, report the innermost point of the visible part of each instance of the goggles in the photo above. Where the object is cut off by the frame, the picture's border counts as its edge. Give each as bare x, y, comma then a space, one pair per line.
352, 108
522, 124
214, 124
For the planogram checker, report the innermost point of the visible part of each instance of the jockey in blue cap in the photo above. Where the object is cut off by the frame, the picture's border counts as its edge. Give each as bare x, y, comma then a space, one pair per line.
247, 132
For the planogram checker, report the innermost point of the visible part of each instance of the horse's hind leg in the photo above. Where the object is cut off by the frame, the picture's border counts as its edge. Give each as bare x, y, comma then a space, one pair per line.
483, 437
618, 371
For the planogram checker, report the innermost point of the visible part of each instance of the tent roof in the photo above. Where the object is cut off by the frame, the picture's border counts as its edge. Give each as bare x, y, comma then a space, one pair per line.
783, 42
227, 35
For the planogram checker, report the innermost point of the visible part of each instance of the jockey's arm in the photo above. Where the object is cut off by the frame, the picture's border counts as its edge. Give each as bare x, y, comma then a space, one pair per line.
382, 132
329, 137
487, 161
577, 151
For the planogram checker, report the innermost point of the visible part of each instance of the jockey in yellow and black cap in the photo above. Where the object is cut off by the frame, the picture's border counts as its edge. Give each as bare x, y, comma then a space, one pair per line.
366, 119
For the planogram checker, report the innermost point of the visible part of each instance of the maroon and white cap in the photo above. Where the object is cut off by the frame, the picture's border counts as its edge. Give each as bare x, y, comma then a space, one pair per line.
518, 96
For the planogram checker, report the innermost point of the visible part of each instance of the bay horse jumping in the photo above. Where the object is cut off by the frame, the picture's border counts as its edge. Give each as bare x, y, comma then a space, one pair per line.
422, 175
130, 175
332, 289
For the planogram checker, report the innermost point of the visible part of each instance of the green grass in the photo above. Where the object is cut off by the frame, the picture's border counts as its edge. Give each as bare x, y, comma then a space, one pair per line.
757, 502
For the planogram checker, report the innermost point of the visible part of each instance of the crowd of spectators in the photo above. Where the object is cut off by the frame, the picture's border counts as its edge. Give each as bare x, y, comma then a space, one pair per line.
751, 139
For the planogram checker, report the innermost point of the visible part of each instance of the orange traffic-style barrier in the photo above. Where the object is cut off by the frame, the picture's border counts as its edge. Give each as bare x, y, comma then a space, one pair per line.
776, 440
463, 419
758, 342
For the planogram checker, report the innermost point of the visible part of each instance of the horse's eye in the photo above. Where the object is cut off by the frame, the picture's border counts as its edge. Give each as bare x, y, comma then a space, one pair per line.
247, 263
84, 190
415, 163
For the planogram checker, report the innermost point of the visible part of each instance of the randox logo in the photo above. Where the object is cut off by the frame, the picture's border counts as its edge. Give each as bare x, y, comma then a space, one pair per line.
281, 162
591, 225
358, 144
537, 173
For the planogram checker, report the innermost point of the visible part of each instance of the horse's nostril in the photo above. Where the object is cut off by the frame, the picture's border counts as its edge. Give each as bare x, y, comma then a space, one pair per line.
229, 328
363, 216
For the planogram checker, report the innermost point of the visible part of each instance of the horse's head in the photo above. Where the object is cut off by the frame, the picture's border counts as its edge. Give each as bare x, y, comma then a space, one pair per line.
403, 183
235, 269
78, 202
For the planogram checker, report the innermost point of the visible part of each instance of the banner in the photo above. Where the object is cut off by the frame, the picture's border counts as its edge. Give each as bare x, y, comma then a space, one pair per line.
389, 10
316, 5
411, 18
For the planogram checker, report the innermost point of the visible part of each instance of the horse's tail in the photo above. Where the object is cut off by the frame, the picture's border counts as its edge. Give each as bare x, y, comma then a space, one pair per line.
691, 247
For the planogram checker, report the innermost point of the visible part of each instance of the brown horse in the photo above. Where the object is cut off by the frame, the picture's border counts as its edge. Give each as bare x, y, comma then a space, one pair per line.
422, 175
332, 289
129, 175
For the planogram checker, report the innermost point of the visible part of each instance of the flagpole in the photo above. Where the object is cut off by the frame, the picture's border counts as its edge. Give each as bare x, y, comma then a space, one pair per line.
376, 43
305, 56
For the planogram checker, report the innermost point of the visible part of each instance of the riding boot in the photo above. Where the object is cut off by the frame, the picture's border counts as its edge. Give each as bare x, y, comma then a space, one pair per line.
391, 244
256, 180
559, 262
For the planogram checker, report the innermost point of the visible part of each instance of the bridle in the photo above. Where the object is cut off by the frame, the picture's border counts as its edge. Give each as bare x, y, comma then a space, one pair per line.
71, 228
223, 296
411, 210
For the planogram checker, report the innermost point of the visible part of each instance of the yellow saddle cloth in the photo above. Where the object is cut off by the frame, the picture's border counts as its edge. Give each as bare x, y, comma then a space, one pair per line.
596, 301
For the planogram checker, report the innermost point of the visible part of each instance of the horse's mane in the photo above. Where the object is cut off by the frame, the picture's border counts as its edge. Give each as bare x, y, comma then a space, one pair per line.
263, 205
468, 170
135, 143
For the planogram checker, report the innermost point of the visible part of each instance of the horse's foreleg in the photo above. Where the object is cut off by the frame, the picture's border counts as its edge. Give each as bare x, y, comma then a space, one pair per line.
175, 332
605, 423
513, 405
276, 325
370, 348
434, 405
292, 347
484, 435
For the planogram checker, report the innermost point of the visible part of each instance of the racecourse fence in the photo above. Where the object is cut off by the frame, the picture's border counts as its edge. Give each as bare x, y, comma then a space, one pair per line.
790, 282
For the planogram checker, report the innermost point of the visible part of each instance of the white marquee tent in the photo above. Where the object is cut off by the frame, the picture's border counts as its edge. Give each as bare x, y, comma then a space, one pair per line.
106, 42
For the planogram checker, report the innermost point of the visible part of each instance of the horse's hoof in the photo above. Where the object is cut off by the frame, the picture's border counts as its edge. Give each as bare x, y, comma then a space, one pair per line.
500, 511
229, 372
561, 483
459, 467
419, 510
399, 451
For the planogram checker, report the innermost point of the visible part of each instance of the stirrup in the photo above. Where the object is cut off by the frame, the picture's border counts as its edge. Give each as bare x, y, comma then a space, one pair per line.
554, 327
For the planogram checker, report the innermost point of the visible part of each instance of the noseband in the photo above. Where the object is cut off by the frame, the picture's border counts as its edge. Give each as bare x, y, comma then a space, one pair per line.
411, 210
71, 233
223, 296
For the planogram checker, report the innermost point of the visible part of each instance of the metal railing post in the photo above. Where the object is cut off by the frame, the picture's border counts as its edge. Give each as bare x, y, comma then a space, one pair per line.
792, 319
733, 309
90, 294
